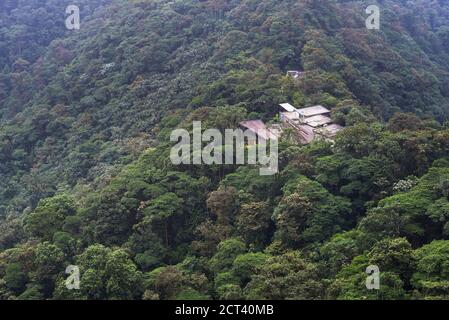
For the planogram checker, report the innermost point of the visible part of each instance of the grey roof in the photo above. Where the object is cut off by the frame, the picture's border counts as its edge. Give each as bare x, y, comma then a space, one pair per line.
318, 120
259, 128
330, 130
312, 111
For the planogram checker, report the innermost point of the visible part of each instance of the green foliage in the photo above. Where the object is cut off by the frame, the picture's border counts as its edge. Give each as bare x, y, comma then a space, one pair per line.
86, 177
227, 252
287, 276
309, 213
230, 292
350, 282
417, 214
31, 293
246, 265
341, 249
431, 274
124, 280
253, 222
15, 279
49, 215
191, 294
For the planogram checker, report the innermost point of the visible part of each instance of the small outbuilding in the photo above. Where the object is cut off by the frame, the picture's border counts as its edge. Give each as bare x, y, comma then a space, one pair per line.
295, 74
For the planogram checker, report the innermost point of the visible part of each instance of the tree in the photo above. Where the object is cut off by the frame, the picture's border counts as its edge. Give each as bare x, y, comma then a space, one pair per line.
92, 264
308, 213
253, 222
49, 264
223, 204
124, 281
292, 214
65, 242
418, 214
227, 251
169, 282
49, 216
246, 265
162, 211
15, 279
230, 292
191, 294
394, 255
385, 222
350, 283
341, 249
432, 268
33, 292
349, 113
209, 235
404, 121
11, 232
288, 276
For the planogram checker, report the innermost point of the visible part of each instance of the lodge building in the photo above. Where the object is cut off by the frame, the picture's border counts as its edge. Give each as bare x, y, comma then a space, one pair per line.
311, 123
308, 124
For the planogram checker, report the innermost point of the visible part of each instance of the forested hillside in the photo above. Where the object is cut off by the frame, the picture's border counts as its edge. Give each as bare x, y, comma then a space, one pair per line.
86, 177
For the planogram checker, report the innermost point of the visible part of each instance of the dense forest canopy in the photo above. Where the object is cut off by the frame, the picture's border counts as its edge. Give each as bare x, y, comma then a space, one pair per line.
86, 178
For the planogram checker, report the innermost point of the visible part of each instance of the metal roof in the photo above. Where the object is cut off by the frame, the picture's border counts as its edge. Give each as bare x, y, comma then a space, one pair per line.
330, 130
259, 128
312, 111
288, 107
306, 134
318, 121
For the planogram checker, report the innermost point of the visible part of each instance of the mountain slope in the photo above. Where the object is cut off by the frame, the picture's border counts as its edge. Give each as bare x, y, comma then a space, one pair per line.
84, 150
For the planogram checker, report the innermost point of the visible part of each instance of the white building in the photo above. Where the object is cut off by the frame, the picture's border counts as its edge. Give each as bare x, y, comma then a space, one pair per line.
310, 123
